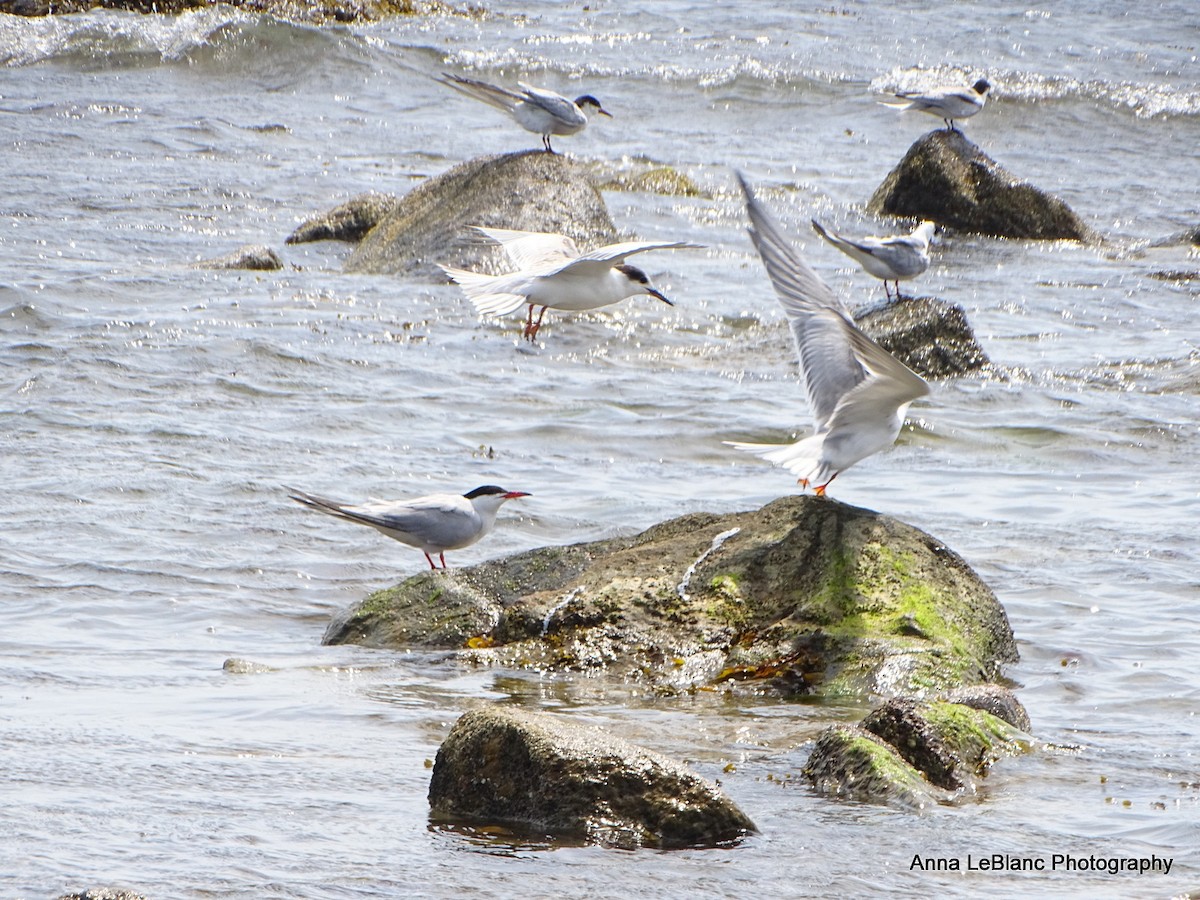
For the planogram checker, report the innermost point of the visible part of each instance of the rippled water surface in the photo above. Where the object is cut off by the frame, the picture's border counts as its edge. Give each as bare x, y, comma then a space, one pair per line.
151, 412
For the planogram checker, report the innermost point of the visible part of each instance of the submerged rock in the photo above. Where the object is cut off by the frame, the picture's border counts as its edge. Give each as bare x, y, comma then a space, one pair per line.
544, 772
526, 191
804, 596
914, 753
102, 894
930, 336
256, 257
349, 221
949, 180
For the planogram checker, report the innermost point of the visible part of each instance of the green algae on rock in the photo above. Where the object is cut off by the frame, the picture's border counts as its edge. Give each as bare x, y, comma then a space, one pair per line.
804, 596
911, 753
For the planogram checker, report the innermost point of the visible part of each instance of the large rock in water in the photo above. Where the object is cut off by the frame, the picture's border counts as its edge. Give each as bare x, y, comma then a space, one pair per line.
527, 191
949, 180
930, 336
544, 772
806, 595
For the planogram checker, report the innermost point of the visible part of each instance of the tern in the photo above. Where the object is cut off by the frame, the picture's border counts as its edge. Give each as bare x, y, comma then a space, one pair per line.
553, 274
894, 258
858, 392
534, 109
432, 524
947, 104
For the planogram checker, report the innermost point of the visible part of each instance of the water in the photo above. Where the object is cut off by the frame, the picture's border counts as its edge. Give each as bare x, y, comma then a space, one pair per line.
151, 413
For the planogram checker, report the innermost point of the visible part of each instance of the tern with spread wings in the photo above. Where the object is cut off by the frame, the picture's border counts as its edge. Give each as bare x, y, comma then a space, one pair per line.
858, 392
553, 274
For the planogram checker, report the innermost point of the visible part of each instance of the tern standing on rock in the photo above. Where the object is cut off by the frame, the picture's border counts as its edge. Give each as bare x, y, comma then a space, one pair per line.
896, 258
858, 391
947, 104
553, 274
432, 524
534, 109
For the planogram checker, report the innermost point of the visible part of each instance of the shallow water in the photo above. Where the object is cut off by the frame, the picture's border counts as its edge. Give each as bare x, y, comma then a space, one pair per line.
151, 413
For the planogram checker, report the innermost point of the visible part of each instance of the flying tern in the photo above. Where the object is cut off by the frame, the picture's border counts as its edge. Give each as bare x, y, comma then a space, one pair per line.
858, 391
432, 524
534, 109
553, 274
894, 258
947, 103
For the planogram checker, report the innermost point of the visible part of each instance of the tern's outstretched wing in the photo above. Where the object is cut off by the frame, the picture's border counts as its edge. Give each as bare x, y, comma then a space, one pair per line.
532, 249
820, 324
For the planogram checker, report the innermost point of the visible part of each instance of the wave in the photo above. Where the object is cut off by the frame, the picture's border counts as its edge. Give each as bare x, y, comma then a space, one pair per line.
220, 35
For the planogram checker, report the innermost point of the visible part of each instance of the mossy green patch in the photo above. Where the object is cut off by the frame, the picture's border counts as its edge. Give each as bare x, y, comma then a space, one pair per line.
972, 733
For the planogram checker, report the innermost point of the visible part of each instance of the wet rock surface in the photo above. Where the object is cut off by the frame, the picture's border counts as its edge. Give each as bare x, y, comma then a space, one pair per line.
804, 596
349, 221
526, 191
914, 753
949, 180
254, 257
930, 336
546, 773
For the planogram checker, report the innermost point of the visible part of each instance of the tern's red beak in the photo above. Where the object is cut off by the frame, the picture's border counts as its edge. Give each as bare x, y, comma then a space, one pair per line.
513, 495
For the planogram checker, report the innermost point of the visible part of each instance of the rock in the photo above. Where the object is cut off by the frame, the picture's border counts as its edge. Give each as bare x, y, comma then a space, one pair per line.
544, 772
102, 894
850, 762
235, 666
804, 596
930, 336
992, 698
911, 753
349, 221
252, 256
949, 180
526, 191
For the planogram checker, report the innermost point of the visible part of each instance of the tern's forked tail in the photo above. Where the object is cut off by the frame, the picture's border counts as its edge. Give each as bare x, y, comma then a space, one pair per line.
491, 294
802, 459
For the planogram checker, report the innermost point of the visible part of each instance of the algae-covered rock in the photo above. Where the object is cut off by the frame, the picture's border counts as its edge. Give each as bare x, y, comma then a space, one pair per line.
805, 596
947, 179
349, 221
910, 753
526, 191
930, 336
849, 762
509, 766
255, 257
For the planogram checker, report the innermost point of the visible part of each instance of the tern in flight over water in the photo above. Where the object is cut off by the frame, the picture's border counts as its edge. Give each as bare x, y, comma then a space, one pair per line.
858, 392
534, 109
432, 524
553, 274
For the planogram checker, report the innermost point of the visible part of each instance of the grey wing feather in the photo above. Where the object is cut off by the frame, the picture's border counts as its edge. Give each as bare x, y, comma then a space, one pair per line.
617, 253
819, 322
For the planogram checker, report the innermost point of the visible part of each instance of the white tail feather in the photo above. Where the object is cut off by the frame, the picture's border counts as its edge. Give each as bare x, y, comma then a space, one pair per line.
484, 291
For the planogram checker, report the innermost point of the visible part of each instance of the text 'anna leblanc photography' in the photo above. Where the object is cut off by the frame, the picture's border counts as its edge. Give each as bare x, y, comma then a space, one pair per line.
1055, 862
